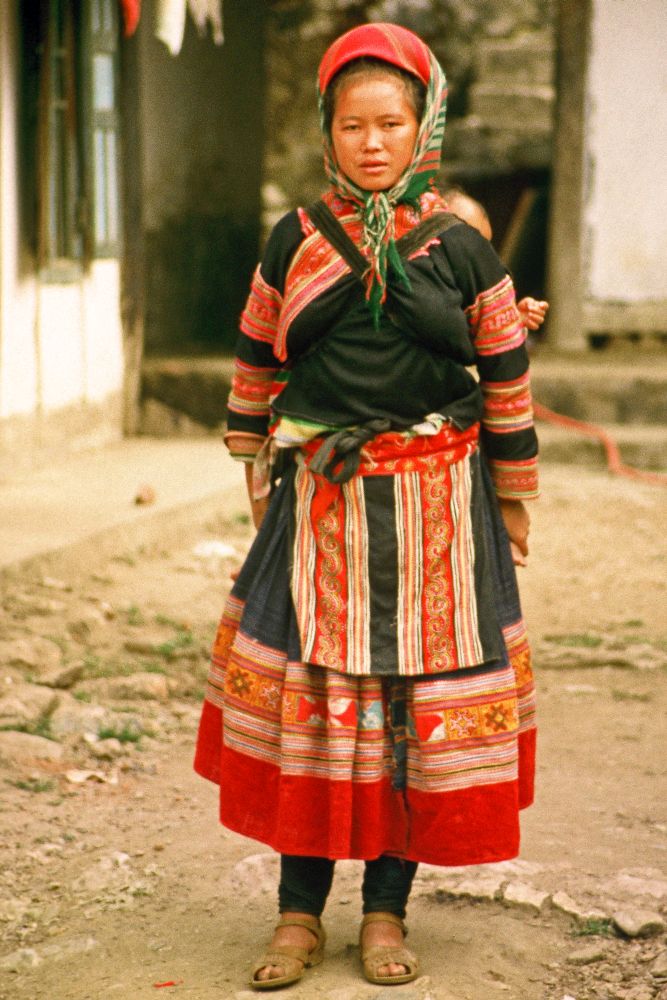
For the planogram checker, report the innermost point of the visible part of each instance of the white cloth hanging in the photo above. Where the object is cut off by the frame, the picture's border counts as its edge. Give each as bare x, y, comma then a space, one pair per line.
206, 12
170, 20
170, 23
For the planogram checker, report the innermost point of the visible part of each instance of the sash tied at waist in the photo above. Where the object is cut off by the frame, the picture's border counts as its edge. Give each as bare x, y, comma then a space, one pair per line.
343, 448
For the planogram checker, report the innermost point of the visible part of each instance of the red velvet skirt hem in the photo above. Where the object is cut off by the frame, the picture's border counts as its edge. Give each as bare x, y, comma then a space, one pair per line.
313, 816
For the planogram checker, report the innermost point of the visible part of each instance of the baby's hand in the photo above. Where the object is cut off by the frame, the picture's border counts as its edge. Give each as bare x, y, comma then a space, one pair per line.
518, 557
532, 312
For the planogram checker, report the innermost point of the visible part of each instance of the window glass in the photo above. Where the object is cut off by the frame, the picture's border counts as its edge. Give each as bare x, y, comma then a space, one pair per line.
100, 170
112, 187
103, 82
104, 125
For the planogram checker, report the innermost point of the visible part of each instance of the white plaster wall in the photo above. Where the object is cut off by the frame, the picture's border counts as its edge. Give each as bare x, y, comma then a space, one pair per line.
103, 358
626, 151
60, 344
80, 339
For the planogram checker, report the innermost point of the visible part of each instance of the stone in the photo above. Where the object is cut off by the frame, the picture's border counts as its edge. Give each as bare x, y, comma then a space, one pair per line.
355, 993
75, 946
61, 677
93, 690
614, 976
638, 886
13, 909
80, 629
35, 655
588, 955
147, 645
389, 993
77, 776
638, 923
142, 686
108, 749
516, 868
110, 872
215, 548
659, 966
521, 894
198, 389
527, 59
10, 676
189, 653
479, 882
255, 875
71, 719
52, 583
561, 901
145, 494
159, 420
26, 705
502, 105
481, 886
23, 748
639, 993
21, 959
581, 688
39, 606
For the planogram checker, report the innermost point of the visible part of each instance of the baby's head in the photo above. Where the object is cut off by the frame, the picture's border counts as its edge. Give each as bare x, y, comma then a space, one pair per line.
471, 211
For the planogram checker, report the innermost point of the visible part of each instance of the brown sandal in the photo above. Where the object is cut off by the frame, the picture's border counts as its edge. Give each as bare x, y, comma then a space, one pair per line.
292, 959
374, 958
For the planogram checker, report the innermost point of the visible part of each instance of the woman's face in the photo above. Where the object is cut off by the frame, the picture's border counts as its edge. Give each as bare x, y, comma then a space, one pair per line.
373, 131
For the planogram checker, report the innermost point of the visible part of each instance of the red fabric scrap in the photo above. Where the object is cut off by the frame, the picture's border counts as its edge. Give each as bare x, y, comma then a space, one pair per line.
131, 13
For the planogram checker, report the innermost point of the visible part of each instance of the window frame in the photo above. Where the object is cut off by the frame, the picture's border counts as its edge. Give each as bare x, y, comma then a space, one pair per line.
101, 41
60, 238
59, 175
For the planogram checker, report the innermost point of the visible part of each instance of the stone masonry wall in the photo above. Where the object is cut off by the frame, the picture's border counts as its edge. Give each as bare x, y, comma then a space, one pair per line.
499, 60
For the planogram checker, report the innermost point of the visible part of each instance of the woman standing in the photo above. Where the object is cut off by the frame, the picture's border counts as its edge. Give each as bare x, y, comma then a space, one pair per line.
370, 694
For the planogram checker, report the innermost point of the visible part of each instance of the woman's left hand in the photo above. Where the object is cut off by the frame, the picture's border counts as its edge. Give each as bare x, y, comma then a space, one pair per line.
517, 523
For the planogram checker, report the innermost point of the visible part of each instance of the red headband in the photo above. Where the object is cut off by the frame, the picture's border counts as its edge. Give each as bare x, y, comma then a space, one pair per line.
388, 42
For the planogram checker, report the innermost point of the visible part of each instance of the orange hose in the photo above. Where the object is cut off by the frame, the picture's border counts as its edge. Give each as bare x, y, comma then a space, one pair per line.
615, 464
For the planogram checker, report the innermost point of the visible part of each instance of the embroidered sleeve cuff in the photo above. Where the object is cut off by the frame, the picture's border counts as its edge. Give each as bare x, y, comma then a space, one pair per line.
243, 446
494, 320
515, 480
508, 406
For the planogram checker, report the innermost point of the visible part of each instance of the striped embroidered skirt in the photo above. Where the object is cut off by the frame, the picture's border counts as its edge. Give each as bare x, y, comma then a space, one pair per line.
370, 689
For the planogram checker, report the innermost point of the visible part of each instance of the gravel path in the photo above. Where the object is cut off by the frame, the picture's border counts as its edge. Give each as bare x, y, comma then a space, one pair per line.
118, 881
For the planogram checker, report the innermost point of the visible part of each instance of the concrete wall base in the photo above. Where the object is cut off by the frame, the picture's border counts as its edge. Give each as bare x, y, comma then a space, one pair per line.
33, 440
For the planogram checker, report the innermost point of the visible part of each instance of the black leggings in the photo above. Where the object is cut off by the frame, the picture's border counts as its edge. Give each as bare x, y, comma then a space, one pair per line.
305, 883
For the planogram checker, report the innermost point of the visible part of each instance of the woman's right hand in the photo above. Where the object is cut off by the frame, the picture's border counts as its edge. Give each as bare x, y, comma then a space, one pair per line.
258, 508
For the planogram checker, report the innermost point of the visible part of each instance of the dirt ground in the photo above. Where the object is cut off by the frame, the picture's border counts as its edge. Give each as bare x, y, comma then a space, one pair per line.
117, 880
